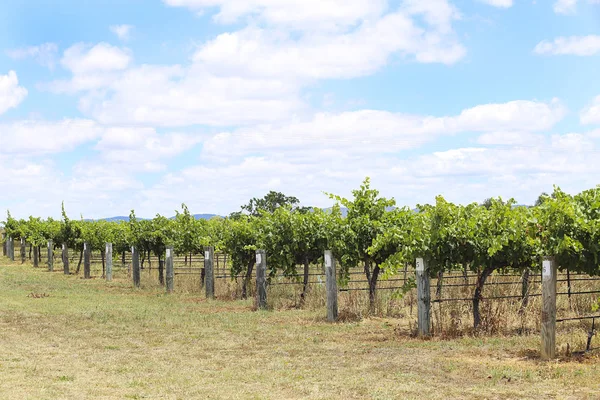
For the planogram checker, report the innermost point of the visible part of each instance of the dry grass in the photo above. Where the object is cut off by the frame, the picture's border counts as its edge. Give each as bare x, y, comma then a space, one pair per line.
62, 337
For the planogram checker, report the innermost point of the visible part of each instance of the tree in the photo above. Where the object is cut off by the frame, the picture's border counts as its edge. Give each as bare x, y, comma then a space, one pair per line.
269, 203
366, 219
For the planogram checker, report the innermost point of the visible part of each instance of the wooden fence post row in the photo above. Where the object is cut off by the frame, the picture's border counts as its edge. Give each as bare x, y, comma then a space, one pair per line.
331, 285
261, 279
423, 297
548, 308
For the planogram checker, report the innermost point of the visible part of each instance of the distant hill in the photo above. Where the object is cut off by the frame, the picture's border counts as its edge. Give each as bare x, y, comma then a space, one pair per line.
121, 218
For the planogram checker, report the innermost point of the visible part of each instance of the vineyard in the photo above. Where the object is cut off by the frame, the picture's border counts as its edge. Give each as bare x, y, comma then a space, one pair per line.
448, 270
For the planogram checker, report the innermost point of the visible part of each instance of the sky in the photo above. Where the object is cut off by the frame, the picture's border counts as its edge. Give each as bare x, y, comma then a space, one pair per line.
113, 105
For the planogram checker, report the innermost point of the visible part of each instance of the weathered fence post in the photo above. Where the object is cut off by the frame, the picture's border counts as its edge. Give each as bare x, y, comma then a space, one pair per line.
23, 251
11, 247
169, 269
548, 308
109, 262
209, 273
65, 258
261, 279
4, 244
50, 256
424, 297
331, 285
36, 256
87, 273
135, 266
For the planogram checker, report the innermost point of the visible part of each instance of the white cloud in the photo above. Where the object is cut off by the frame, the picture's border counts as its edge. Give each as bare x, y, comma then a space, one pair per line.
46, 137
499, 3
11, 94
257, 74
44, 54
509, 138
380, 132
296, 14
142, 148
83, 58
565, 7
573, 45
591, 113
123, 32
93, 67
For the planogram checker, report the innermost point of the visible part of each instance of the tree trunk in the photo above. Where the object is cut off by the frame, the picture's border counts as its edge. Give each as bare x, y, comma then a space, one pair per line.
161, 268
102, 255
440, 282
373, 288
185, 261
465, 274
123, 259
30, 249
143, 259
79, 263
487, 271
247, 279
305, 280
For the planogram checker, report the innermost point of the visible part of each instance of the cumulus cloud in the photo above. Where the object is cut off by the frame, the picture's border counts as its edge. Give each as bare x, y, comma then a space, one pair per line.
11, 94
591, 113
565, 7
46, 137
123, 32
93, 67
499, 3
257, 74
44, 54
572, 45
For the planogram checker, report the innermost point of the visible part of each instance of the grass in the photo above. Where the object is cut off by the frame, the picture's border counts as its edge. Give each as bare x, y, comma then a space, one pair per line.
62, 337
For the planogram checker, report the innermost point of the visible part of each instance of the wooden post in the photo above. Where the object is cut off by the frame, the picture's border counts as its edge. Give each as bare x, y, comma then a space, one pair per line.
424, 298
23, 251
169, 269
11, 247
4, 244
36, 256
261, 279
87, 273
65, 258
135, 266
331, 285
548, 308
109, 261
50, 256
209, 273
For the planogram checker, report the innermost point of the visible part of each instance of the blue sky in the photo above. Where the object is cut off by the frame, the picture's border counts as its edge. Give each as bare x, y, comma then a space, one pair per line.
119, 105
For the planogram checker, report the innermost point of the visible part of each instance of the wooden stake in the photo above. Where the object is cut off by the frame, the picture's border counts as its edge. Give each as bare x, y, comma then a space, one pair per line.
135, 266
209, 273
169, 269
424, 298
87, 272
109, 261
261, 279
331, 285
548, 308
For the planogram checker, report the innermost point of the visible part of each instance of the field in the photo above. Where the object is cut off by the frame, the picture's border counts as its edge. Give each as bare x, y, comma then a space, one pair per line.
62, 337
